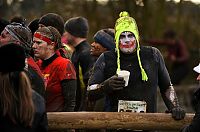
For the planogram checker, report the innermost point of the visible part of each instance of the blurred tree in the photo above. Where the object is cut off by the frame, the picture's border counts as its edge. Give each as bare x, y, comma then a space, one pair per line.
3, 8
32, 6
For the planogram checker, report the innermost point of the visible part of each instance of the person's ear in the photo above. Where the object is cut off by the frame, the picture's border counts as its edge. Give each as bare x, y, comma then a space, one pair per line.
52, 45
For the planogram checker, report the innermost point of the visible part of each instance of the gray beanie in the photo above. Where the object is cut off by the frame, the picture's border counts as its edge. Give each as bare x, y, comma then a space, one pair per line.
105, 37
77, 26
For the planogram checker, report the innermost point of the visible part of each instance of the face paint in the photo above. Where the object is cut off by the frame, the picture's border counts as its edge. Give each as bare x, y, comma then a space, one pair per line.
127, 42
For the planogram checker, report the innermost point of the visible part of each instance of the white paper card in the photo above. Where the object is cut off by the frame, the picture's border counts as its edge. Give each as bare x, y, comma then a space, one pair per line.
131, 106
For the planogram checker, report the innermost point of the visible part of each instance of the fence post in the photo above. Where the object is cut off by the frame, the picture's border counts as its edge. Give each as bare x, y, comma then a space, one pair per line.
115, 120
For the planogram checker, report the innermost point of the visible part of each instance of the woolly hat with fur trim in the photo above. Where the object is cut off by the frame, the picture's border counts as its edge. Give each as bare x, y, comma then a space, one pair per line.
54, 20
105, 37
77, 26
12, 57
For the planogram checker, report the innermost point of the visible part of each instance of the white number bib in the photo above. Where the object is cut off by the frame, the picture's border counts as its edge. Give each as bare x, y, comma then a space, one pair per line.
131, 106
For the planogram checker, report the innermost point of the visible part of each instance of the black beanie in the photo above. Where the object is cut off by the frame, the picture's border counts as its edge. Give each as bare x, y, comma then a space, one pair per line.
33, 25
77, 26
105, 37
12, 56
54, 20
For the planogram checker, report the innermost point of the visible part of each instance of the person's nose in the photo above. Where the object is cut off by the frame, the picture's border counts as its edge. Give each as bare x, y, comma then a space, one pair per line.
127, 39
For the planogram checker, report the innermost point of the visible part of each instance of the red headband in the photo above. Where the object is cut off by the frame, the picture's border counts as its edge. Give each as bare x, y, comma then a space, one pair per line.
42, 37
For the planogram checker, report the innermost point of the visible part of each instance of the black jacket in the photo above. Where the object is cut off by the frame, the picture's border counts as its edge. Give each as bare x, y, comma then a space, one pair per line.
154, 65
40, 123
195, 124
83, 62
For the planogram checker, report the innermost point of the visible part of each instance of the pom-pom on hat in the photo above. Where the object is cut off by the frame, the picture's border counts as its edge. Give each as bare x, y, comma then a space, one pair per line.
105, 37
125, 23
77, 26
12, 57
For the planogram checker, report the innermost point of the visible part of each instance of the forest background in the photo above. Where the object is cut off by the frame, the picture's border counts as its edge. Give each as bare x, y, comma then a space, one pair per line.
152, 16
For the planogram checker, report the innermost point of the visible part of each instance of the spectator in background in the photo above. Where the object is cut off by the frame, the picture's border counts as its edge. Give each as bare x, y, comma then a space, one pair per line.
103, 41
21, 108
194, 126
21, 34
58, 72
147, 72
76, 31
56, 21
177, 53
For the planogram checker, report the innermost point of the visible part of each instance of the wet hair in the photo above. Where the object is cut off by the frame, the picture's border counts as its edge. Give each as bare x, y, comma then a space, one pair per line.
16, 98
51, 33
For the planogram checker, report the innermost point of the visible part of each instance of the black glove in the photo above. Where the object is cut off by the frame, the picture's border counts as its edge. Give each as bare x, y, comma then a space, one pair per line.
195, 99
113, 83
178, 113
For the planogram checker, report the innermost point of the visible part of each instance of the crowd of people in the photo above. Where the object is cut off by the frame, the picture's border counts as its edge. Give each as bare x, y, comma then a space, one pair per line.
51, 67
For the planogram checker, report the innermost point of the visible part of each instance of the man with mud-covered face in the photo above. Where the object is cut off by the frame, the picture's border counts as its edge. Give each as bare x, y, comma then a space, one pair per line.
147, 72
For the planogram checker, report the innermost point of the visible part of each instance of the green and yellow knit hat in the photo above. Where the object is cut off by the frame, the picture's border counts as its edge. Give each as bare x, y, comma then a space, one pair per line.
128, 24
